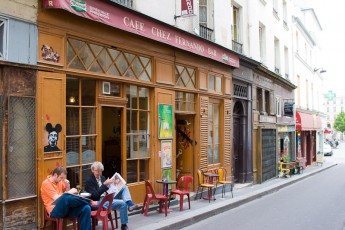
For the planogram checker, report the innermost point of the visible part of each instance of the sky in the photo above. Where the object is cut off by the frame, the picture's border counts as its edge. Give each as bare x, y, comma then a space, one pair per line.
331, 15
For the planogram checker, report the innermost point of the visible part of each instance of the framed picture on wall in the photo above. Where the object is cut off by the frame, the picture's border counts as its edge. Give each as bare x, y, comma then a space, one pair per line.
166, 153
106, 88
165, 121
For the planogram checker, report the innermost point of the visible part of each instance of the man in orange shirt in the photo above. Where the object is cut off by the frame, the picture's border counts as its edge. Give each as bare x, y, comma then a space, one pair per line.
68, 205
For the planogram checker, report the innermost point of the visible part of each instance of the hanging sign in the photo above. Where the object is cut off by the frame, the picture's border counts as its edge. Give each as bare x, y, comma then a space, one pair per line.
288, 109
187, 8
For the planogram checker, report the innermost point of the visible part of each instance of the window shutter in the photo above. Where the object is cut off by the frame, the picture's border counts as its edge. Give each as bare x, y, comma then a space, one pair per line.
203, 132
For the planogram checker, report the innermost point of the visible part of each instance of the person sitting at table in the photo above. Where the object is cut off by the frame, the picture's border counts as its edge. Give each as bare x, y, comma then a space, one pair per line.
97, 186
56, 185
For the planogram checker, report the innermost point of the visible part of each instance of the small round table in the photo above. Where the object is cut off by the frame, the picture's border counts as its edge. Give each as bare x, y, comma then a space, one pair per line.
211, 176
165, 184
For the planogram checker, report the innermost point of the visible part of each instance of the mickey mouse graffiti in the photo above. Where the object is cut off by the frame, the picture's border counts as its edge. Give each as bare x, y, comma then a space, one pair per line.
53, 137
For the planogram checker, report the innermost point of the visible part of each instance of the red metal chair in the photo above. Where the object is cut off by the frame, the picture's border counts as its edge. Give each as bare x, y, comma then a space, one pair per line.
102, 213
57, 223
182, 189
151, 195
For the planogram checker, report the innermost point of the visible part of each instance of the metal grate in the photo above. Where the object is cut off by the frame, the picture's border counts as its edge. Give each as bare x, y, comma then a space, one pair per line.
21, 177
240, 91
126, 3
268, 154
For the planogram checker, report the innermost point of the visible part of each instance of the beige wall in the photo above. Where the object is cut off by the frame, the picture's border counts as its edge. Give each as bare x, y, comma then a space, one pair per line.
25, 9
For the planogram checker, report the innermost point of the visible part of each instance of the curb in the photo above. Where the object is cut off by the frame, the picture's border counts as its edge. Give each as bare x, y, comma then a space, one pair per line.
208, 211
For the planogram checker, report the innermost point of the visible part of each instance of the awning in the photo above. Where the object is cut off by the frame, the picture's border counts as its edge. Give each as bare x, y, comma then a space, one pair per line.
305, 121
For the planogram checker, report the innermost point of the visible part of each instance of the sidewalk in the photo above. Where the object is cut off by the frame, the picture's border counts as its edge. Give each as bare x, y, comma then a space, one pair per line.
202, 209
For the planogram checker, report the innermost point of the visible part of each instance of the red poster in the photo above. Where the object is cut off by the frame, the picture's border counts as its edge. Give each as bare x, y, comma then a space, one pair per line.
187, 8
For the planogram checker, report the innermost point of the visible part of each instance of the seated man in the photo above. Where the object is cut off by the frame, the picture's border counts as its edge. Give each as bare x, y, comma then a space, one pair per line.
97, 185
56, 185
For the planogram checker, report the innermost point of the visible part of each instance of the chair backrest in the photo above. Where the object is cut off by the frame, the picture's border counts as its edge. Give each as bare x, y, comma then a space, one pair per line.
200, 177
149, 189
100, 211
222, 173
184, 181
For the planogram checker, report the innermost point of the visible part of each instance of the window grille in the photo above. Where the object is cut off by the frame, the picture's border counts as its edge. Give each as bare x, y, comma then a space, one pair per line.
126, 3
240, 91
185, 76
21, 157
105, 60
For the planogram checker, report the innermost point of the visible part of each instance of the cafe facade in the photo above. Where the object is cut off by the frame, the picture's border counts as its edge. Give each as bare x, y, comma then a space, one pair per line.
146, 99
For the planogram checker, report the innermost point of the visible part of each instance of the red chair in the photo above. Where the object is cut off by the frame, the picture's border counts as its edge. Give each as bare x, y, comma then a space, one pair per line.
151, 195
57, 223
103, 214
182, 188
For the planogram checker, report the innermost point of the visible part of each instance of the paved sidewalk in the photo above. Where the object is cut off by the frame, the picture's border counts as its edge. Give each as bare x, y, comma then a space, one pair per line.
202, 209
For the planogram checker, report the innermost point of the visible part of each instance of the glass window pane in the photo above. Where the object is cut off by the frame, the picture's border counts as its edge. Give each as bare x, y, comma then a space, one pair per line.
144, 169
144, 145
143, 98
115, 89
88, 121
216, 108
89, 149
132, 175
219, 84
216, 154
88, 92
211, 82
86, 173
144, 121
72, 121
72, 91
72, 151
216, 135
133, 121
131, 94
209, 154
128, 146
73, 176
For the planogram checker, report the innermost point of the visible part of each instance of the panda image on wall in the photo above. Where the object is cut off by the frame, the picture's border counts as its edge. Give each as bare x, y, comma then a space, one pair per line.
53, 137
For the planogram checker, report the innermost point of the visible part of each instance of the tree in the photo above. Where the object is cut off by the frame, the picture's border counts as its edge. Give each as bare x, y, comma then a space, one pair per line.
339, 123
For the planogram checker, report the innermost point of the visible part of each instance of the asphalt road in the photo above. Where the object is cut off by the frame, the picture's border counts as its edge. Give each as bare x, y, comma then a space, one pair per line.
316, 203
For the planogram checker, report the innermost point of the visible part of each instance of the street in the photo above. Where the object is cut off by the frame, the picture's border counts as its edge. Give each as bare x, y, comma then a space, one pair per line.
317, 202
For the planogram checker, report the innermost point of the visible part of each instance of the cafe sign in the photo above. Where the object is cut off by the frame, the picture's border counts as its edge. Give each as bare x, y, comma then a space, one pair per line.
141, 25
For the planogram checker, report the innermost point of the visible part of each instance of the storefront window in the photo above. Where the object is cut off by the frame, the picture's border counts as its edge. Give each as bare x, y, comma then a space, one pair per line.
213, 132
185, 77
184, 102
86, 56
138, 133
80, 128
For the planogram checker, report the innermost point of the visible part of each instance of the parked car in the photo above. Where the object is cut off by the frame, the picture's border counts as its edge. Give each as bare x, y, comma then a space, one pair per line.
327, 149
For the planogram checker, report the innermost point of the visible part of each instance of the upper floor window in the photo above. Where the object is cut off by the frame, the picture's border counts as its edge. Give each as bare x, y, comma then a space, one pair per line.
278, 106
262, 42
236, 30
96, 58
215, 82
185, 77
126, 3
285, 14
275, 7
276, 56
286, 59
3, 36
206, 19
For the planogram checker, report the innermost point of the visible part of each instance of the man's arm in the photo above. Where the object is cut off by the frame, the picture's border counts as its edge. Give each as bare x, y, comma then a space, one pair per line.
92, 187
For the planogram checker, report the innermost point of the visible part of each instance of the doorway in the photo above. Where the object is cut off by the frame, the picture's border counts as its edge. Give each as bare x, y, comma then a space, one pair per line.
238, 141
184, 145
111, 140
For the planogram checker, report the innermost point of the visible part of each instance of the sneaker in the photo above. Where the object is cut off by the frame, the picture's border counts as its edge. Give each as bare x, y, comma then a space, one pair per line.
132, 208
124, 227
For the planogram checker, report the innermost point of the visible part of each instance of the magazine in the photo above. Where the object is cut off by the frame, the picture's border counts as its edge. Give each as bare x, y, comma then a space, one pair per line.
67, 194
117, 185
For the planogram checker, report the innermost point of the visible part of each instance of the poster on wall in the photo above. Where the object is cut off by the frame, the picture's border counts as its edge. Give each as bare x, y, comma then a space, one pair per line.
166, 153
165, 121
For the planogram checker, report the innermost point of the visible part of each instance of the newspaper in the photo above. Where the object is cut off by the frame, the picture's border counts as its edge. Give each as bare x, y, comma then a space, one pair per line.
117, 185
67, 194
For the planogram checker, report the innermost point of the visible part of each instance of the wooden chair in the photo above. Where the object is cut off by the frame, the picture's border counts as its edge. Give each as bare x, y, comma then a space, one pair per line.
202, 185
151, 195
57, 223
102, 213
222, 180
182, 191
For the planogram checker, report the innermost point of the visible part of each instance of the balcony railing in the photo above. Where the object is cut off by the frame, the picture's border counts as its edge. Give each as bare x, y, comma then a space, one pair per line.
236, 46
126, 3
206, 33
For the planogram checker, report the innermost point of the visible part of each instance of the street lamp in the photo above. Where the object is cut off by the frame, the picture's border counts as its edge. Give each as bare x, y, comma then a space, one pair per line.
321, 70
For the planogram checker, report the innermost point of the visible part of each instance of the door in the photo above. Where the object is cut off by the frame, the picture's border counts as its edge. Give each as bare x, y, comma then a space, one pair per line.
238, 141
111, 140
184, 145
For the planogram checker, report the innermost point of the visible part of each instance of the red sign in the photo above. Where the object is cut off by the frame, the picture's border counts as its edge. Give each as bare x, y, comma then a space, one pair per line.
135, 23
187, 8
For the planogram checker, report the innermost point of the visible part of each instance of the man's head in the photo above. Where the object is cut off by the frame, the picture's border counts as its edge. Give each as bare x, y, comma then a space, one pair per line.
97, 169
59, 174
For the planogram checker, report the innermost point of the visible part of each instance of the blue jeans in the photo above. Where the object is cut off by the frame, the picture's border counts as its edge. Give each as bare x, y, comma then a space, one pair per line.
124, 194
73, 206
118, 205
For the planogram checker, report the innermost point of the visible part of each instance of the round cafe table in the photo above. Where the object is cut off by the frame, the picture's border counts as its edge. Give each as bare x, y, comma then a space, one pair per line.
165, 184
211, 177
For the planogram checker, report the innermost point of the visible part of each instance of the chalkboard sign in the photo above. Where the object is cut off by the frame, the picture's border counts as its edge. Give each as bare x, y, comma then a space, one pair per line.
288, 109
